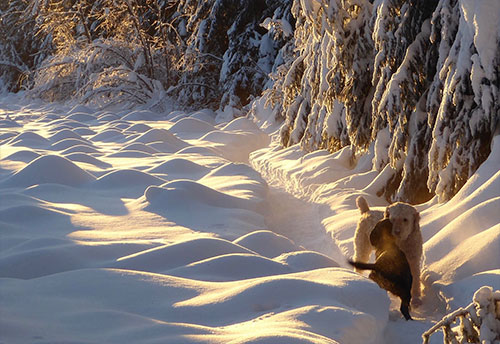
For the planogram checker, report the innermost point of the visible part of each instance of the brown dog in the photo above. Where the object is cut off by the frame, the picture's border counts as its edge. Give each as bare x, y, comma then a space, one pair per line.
391, 270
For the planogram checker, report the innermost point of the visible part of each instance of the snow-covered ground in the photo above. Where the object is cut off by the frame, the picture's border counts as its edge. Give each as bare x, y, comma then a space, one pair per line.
141, 227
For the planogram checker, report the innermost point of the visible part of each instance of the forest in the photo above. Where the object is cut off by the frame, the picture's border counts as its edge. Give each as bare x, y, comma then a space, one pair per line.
415, 81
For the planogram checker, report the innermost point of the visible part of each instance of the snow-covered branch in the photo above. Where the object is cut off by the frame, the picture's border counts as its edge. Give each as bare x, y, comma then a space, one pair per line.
479, 322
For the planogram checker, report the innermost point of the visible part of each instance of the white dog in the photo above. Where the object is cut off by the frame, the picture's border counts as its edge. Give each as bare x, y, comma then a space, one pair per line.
405, 228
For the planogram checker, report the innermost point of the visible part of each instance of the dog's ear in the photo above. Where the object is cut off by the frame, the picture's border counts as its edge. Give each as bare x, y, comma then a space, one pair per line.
416, 220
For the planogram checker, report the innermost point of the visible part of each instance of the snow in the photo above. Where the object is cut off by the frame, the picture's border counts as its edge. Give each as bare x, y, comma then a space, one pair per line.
141, 227
483, 19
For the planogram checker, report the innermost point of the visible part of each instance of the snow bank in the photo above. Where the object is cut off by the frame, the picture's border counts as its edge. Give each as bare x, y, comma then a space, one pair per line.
121, 305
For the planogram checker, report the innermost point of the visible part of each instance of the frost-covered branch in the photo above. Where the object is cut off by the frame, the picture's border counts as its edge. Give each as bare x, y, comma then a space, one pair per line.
479, 322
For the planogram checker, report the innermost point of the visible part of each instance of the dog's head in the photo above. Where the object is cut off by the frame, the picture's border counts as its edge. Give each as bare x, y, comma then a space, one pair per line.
404, 218
381, 236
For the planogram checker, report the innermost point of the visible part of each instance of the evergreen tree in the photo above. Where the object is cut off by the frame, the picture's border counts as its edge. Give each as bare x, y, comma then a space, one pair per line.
467, 92
252, 50
397, 107
333, 73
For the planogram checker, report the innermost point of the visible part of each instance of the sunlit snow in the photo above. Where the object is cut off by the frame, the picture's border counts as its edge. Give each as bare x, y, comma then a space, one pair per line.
136, 226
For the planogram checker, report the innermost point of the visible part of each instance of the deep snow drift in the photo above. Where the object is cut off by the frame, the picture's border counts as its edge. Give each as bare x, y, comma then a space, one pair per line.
136, 226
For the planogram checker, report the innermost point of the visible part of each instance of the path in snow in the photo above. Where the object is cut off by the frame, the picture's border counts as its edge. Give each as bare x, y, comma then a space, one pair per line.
300, 221
293, 214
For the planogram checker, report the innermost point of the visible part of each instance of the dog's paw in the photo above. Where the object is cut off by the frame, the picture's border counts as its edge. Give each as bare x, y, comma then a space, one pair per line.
416, 302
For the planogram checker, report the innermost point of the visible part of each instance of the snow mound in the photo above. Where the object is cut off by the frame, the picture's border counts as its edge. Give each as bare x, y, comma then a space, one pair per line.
130, 154
84, 131
306, 260
441, 216
107, 117
64, 134
267, 243
61, 124
69, 143
88, 159
80, 148
119, 125
4, 137
164, 258
50, 169
241, 123
126, 178
205, 151
109, 135
186, 192
141, 115
472, 222
339, 289
464, 290
37, 213
238, 180
179, 167
160, 135
46, 256
198, 207
139, 128
15, 199
138, 146
48, 117
205, 115
81, 117
23, 155
475, 254
29, 139
80, 108
231, 267
235, 169
237, 145
191, 125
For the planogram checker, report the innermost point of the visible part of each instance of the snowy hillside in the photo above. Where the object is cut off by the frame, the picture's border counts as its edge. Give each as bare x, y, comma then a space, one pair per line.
136, 226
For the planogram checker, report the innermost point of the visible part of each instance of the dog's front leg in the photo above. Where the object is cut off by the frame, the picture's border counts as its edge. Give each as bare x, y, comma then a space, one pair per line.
416, 300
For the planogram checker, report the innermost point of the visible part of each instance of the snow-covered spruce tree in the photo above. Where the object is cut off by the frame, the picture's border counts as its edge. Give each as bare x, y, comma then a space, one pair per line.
253, 45
464, 97
204, 26
328, 85
404, 66
22, 47
280, 31
228, 53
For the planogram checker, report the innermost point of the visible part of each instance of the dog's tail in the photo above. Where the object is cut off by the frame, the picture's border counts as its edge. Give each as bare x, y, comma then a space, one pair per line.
362, 205
405, 309
362, 266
